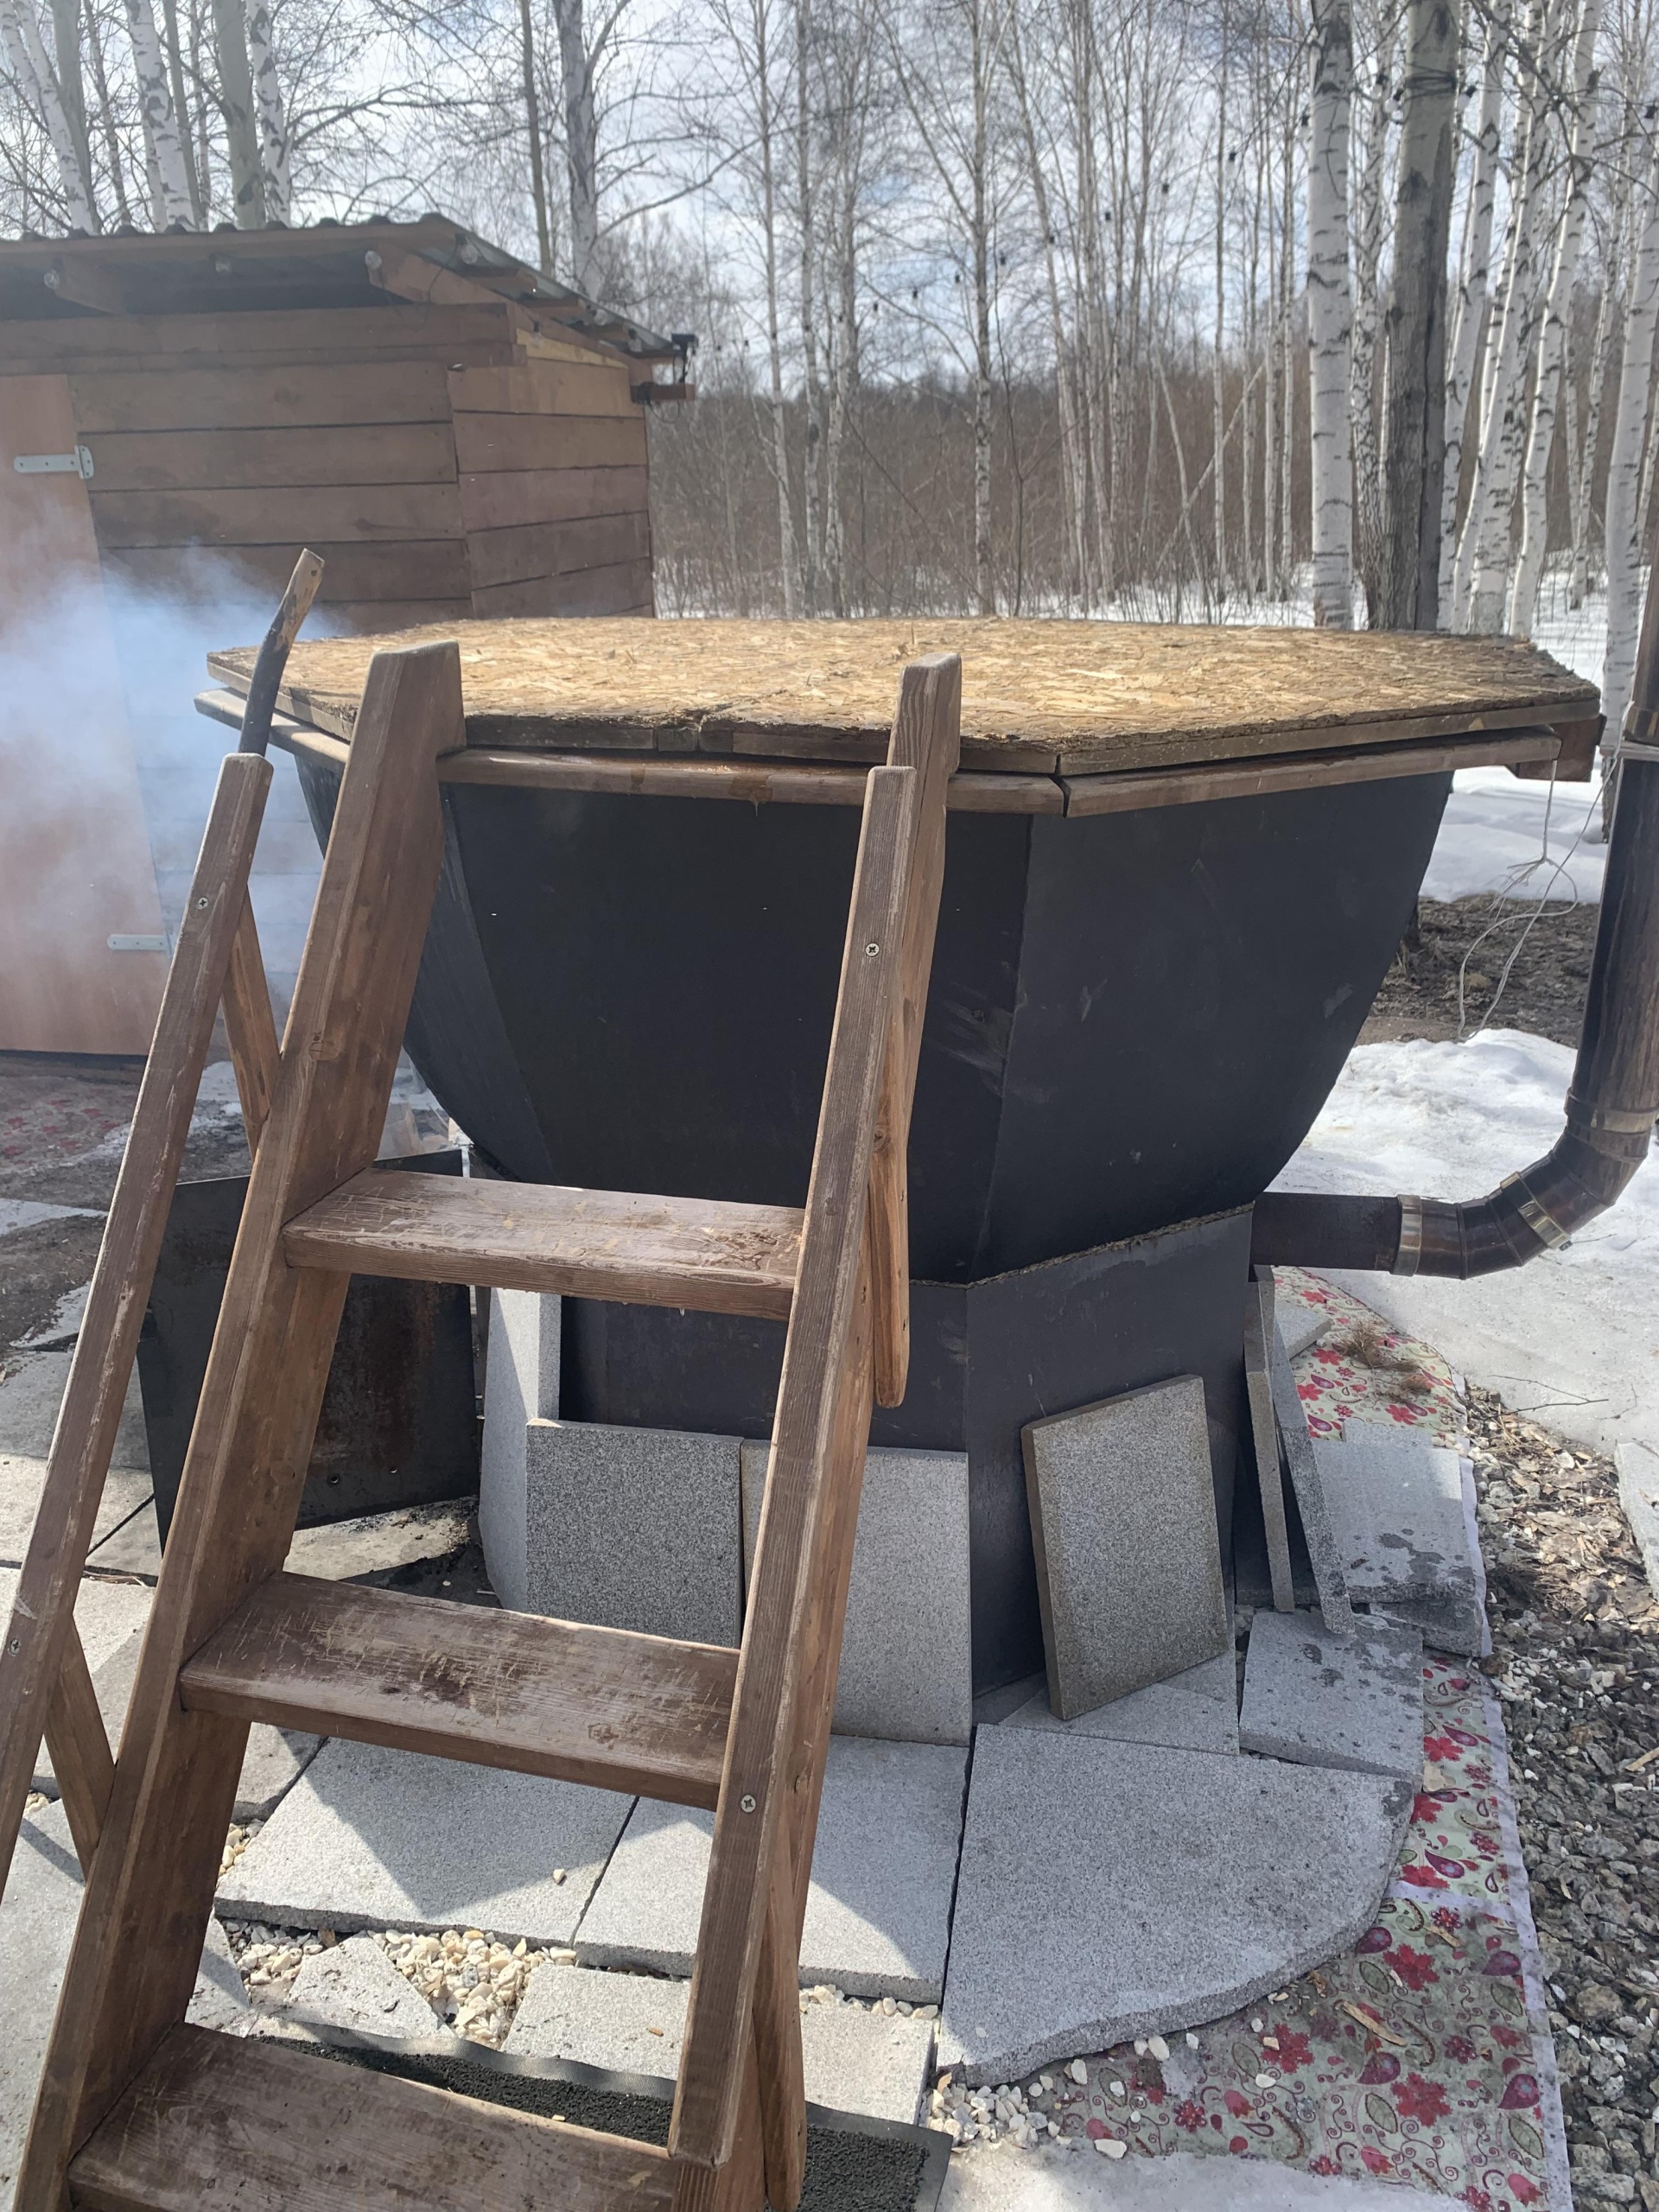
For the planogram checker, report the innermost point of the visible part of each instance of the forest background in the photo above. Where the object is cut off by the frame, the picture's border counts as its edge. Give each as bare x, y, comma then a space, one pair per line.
1340, 310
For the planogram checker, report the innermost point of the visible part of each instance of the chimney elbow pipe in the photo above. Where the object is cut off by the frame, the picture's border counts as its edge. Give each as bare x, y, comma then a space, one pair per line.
1611, 1103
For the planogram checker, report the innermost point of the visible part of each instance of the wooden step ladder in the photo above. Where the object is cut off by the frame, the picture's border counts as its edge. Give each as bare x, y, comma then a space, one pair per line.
136, 2109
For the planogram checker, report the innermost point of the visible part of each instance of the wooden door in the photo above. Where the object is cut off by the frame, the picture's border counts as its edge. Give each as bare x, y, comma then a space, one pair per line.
75, 866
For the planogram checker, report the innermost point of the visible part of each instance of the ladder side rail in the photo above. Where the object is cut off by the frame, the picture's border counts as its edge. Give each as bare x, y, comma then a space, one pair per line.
148, 1899
926, 736
750, 1825
44, 1684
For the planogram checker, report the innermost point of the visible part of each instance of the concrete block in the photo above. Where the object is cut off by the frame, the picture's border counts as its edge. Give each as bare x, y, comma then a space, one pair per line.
37, 1923
371, 1838
1335, 1608
878, 1910
1128, 1560
1401, 1511
521, 1384
1107, 1889
1159, 1714
381, 1543
356, 1986
906, 1654
1330, 1701
635, 1528
855, 2061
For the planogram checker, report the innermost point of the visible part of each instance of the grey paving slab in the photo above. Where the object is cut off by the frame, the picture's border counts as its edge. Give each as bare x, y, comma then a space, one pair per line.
1269, 1479
378, 1543
370, 1838
1128, 1560
1159, 1714
37, 1923
355, 1986
991, 1706
1335, 1701
878, 1910
1402, 1513
854, 2061
30, 1393
635, 1528
521, 1384
1336, 1608
907, 1653
111, 1617
1114, 1889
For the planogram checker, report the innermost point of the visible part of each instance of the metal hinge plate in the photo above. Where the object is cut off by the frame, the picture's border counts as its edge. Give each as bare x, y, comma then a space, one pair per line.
78, 463
118, 943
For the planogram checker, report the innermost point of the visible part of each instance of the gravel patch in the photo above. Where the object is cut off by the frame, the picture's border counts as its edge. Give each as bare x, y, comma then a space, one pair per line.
1575, 1660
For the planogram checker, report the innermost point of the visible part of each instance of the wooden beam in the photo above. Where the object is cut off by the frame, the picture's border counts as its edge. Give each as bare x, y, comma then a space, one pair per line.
85, 284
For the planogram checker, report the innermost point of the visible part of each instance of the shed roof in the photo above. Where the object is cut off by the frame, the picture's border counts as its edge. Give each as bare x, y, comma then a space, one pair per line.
326, 265
1075, 697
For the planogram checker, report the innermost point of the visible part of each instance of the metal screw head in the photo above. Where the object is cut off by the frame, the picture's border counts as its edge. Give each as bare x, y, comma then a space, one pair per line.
748, 1803
14, 1647
870, 951
201, 905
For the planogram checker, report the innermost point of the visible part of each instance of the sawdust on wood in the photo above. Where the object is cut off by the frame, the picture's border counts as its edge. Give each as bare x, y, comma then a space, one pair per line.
1078, 696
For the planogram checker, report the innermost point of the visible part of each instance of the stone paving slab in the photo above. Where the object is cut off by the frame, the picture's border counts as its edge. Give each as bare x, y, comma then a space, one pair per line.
878, 1910
854, 2061
355, 1985
906, 1651
1113, 1889
1335, 1606
1320, 1700
371, 1838
1159, 1714
37, 1924
1395, 1501
639, 1528
521, 1384
1128, 1559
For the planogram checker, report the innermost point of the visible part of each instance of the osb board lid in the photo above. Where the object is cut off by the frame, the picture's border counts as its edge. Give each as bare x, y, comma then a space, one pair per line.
1072, 697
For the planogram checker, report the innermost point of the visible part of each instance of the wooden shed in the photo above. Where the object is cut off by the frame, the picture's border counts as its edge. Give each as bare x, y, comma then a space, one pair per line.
179, 413
456, 435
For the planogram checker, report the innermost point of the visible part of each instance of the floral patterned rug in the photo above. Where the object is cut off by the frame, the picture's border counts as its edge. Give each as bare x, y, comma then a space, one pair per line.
1423, 2057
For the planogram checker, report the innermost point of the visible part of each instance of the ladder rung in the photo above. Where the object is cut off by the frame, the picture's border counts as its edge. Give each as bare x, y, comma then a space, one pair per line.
216, 2123
641, 1713
703, 1254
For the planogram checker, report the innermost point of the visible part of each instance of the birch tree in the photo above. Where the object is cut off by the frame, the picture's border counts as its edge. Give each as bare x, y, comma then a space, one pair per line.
1590, 439
241, 127
578, 61
268, 106
1367, 228
164, 148
1330, 314
26, 52
1473, 284
1552, 350
1624, 549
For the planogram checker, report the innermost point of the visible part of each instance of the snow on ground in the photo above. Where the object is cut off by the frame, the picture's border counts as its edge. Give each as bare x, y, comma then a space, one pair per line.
1526, 840
1573, 1336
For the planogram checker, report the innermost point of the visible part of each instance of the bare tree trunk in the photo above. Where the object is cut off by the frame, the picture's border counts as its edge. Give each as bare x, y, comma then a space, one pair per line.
170, 182
576, 65
1624, 548
268, 105
1474, 281
984, 582
66, 45
1330, 315
1367, 249
1606, 316
1416, 403
533, 127
1218, 356
1535, 510
1492, 515
236, 89
34, 73
105, 111
181, 108
812, 395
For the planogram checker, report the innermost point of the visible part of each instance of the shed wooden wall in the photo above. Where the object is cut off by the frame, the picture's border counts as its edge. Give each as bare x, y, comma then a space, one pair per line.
445, 462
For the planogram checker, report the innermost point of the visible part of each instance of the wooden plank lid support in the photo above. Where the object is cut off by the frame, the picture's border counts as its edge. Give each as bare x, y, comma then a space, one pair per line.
137, 2110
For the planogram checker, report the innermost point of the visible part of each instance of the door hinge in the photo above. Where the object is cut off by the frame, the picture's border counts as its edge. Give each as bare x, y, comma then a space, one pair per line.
118, 943
78, 463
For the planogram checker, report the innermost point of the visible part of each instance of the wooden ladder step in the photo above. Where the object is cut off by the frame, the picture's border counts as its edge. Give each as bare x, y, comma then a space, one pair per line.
216, 2123
640, 1714
705, 1254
